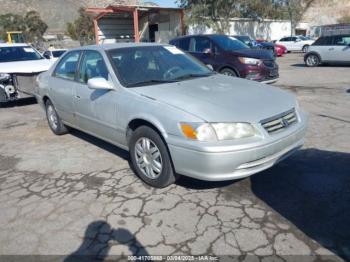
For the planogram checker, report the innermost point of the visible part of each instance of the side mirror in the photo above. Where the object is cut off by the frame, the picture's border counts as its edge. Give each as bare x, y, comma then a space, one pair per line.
210, 67
99, 83
208, 51
47, 56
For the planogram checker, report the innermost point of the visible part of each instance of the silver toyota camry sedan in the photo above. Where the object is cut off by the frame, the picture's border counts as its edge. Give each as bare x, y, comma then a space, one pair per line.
174, 115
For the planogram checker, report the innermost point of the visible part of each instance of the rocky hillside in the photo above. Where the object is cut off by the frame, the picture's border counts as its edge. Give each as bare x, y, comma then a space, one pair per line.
56, 13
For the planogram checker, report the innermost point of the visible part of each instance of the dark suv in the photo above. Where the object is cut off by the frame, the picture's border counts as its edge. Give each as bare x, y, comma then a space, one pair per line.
229, 56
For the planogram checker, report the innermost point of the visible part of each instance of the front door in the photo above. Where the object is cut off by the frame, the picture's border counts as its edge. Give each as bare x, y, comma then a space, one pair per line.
341, 52
62, 88
202, 48
95, 109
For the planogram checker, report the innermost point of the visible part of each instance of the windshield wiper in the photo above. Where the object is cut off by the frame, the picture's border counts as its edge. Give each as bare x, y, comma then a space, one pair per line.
188, 76
149, 82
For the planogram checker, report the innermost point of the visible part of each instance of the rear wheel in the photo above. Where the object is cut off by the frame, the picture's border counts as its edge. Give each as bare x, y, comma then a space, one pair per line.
228, 72
312, 60
54, 121
150, 158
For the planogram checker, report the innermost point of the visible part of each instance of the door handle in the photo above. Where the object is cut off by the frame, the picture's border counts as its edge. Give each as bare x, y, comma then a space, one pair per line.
77, 97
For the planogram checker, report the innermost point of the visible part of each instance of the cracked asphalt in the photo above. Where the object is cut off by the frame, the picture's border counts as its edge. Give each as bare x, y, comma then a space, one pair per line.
76, 195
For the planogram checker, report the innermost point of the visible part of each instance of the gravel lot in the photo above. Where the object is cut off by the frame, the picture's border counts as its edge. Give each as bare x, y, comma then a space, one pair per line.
75, 194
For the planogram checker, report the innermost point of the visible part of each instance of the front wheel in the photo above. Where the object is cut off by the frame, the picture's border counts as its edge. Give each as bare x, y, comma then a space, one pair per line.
312, 60
150, 158
228, 72
54, 121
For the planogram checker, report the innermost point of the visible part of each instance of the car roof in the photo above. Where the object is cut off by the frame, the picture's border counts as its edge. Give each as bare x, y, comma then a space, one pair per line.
12, 45
115, 46
208, 35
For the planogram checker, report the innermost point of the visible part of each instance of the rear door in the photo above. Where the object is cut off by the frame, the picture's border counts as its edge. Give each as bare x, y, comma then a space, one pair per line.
203, 49
341, 52
63, 85
96, 110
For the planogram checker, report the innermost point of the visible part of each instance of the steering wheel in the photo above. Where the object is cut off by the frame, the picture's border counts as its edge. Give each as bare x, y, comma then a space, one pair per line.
170, 73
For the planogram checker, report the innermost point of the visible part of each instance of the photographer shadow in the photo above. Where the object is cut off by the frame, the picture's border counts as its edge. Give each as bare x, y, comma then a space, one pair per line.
99, 238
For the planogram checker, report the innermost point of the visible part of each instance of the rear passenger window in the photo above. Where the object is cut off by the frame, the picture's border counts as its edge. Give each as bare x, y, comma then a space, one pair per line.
67, 67
184, 44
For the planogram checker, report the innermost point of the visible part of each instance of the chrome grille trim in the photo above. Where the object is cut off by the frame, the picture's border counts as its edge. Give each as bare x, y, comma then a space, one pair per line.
280, 122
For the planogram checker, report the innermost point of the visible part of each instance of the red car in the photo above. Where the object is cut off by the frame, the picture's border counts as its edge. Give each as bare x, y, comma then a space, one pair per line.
280, 49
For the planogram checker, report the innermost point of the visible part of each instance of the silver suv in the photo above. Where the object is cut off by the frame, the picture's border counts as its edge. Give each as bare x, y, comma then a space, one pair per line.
329, 49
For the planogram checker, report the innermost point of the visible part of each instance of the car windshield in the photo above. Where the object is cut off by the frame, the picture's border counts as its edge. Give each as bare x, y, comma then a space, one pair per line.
244, 39
18, 53
228, 43
147, 65
58, 53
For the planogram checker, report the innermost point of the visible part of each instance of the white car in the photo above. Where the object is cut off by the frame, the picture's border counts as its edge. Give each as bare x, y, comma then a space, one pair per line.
296, 43
19, 66
54, 54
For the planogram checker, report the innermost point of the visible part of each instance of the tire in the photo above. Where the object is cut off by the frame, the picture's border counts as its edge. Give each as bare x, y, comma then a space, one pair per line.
54, 121
228, 72
312, 60
3, 98
150, 158
305, 48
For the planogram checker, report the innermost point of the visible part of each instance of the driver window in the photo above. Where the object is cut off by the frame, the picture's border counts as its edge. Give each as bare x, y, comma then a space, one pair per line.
202, 45
92, 65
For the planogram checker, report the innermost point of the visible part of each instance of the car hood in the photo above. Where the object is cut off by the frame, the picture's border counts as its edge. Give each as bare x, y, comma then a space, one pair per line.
253, 53
222, 98
34, 66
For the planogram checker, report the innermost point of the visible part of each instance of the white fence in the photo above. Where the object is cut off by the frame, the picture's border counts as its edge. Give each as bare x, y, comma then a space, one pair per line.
266, 29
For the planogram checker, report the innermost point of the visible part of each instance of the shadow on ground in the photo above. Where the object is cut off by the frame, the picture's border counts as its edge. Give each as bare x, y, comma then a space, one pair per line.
312, 191
21, 102
101, 144
99, 238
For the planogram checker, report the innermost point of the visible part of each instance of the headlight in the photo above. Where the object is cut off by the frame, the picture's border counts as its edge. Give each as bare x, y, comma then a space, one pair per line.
249, 61
217, 131
4, 76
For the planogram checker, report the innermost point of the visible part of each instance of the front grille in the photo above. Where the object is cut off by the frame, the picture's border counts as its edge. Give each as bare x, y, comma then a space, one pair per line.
270, 63
280, 122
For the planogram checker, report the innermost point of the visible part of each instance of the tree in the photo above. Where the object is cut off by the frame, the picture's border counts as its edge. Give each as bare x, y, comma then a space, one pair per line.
31, 25
344, 20
296, 10
82, 29
35, 27
212, 13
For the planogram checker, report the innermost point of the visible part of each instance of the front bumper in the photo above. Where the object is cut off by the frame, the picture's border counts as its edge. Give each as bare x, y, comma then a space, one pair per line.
229, 165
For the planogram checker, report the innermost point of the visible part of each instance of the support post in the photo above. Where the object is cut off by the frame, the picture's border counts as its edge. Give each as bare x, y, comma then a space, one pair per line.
136, 25
97, 38
182, 21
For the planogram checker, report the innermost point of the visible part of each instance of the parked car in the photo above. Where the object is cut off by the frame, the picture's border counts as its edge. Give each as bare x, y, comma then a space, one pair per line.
19, 66
296, 43
231, 57
54, 54
173, 114
256, 44
280, 50
329, 49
